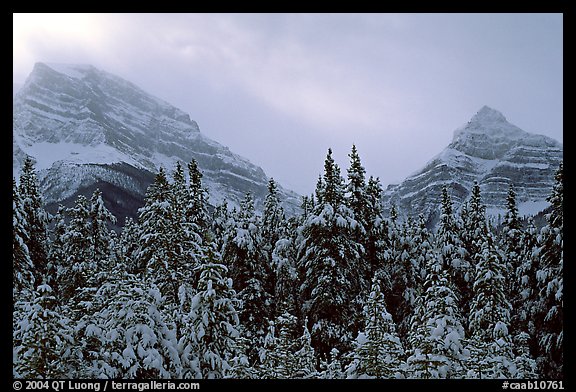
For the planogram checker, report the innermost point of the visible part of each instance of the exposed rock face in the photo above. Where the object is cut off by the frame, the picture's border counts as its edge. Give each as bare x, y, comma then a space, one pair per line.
491, 151
87, 128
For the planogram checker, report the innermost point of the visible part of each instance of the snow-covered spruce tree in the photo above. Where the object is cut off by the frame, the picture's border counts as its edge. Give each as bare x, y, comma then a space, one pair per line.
197, 207
305, 358
284, 354
271, 229
212, 325
249, 271
57, 252
307, 205
43, 337
452, 255
277, 360
331, 368
22, 268
157, 249
35, 218
490, 343
423, 251
128, 247
518, 262
91, 269
100, 217
284, 258
404, 274
525, 314
378, 352
473, 231
550, 280
525, 364
356, 198
377, 243
329, 266
169, 244
131, 339
220, 224
436, 335
78, 265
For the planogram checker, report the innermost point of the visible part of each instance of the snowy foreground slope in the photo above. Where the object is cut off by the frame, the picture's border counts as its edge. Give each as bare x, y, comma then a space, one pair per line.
490, 150
86, 128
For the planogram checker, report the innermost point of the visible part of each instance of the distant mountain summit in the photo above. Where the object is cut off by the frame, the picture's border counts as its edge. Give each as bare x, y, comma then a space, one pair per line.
87, 128
490, 150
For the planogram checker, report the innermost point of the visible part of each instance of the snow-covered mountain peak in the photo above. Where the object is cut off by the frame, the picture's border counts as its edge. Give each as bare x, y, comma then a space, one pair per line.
76, 71
492, 151
84, 127
487, 115
489, 123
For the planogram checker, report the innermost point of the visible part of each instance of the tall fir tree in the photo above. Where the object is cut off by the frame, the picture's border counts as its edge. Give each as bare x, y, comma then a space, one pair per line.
212, 323
45, 337
550, 284
287, 280
378, 352
271, 228
329, 266
489, 319
473, 232
78, 265
377, 230
249, 271
452, 254
197, 208
436, 335
22, 267
35, 218
358, 200
57, 252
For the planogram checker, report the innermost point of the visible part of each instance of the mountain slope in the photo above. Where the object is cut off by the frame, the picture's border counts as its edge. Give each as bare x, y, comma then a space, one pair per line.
490, 150
87, 128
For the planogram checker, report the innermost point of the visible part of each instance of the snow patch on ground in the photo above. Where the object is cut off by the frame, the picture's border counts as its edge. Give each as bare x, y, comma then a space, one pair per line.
48, 153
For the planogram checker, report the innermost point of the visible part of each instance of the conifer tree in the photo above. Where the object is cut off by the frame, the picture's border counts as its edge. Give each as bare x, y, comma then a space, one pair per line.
248, 270
378, 352
213, 322
22, 267
331, 368
436, 335
79, 265
452, 254
129, 334
377, 229
277, 355
35, 218
330, 265
197, 208
284, 257
489, 320
271, 229
45, 337
101, 241
549, 307
57, 252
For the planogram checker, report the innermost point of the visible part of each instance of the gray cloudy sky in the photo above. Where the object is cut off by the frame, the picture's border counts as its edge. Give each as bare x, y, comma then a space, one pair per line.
280, 89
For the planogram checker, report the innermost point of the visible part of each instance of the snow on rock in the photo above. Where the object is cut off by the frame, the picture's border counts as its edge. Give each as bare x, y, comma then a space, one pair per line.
76, 121
490, 150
